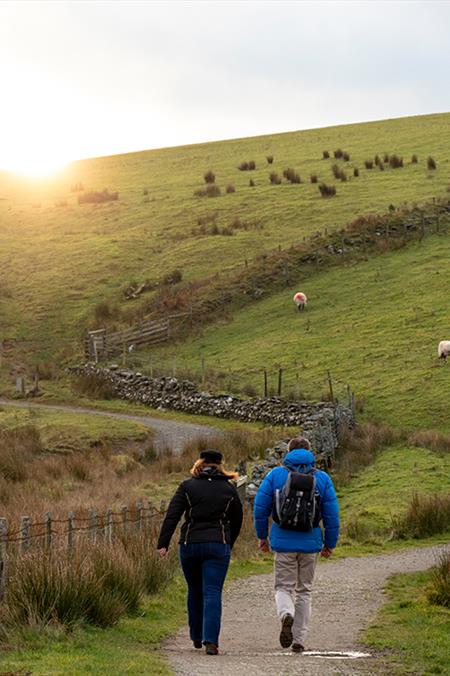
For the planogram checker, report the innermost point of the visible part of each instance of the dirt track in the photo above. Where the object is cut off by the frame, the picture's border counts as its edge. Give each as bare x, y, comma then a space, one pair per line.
347, 594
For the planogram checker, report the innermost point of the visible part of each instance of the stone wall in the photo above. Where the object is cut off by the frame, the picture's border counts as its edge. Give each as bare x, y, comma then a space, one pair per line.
322, 422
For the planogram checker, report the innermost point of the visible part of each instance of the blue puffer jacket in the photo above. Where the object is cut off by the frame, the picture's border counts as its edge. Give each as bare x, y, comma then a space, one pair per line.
281, 539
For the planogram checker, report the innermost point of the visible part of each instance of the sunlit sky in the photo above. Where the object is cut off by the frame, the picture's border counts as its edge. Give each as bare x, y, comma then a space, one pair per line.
82, 79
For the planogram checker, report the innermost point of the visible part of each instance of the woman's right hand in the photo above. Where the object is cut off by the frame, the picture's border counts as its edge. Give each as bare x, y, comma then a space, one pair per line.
162, 552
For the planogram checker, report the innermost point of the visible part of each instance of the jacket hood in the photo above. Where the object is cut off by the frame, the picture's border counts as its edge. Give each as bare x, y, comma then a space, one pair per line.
299, 457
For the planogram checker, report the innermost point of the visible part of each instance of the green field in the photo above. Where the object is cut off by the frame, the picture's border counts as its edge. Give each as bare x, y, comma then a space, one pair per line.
58, 262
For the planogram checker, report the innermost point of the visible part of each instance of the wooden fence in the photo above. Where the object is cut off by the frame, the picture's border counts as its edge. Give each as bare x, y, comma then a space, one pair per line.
94, 526
100, 344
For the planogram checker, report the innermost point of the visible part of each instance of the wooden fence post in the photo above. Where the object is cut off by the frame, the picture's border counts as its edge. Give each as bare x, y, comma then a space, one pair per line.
48, 530
330, 385
3, 548
265, 383
280, 377
139, 510
108, 528
71, 530
25, 523
124, 512
93, 525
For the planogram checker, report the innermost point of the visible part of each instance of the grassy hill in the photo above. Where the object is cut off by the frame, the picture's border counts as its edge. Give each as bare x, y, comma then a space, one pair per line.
59, 259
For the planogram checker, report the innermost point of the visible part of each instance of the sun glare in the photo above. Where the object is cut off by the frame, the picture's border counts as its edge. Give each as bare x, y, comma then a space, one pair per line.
36, 166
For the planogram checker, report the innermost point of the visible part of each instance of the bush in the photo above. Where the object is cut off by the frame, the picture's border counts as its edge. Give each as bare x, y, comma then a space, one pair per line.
325, 155
425, 516
368, 164
327, 190
274, 178
386, 158
252, 165
251, 183
97, 197
395, 162
313, 178
343, 176
377, 160
173, 277
414, 159
431, 163
381, 166
291, 176
346, 157
103, 311
439, 593
336, 171
247, 166
356, 172
212, 190
269, 159
230, 188
209, 177
338, 153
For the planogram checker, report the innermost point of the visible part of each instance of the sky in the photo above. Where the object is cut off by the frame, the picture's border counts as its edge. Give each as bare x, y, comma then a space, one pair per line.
88, 78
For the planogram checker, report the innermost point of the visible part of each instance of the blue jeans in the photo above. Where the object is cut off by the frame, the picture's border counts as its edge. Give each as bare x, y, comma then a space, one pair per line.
205, 566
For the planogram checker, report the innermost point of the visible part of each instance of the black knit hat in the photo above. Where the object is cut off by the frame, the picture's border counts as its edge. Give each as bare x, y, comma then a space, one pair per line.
209, 455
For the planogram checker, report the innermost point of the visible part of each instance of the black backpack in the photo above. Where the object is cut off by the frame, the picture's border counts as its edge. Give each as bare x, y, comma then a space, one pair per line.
297, 504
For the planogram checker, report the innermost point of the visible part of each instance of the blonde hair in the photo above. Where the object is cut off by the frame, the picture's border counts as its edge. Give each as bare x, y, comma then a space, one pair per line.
200, 464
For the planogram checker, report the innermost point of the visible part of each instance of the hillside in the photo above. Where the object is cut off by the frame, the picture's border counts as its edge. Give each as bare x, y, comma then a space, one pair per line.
61, 261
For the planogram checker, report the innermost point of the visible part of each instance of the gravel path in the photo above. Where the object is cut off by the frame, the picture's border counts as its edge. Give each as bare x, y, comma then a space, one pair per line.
347, 594
169, 433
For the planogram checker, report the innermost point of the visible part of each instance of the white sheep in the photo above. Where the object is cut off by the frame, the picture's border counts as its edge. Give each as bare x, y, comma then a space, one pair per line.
444, 349
300, 300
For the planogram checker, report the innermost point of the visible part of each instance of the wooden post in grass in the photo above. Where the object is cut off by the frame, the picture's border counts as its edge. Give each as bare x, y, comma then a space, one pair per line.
71, 530
265, 383
140, 515
124, 512
93, 524
330, 385
3, 548
48, 530
280, 378
25, 524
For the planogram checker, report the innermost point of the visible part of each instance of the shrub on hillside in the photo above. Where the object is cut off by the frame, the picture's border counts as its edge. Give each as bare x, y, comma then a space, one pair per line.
251, 183
97, 197
291, 175
313, 178
208, 218
381, 166
386, 158
336, 171
103, 311
431, 163
327, 190
368, 164
377, 160
343, 176
145, 191
426, 515
247, 166
346, 157
230, 188
212, 190
338, 153
209, 177
395, 162
325, 155
414, 159
269, 159
356, 172
274, 178
439, 593
173, 277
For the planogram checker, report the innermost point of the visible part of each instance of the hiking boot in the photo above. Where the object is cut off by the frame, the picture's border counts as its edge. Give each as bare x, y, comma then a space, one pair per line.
297, 648
286, 631
211, 649
198, 644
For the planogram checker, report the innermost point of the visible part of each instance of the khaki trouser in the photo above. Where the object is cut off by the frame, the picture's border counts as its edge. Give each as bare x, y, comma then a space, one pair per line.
294, 574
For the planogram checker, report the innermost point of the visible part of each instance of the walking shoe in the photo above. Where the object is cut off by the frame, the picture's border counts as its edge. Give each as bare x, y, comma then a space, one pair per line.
286, 631
211, 649
297, 648
198, 644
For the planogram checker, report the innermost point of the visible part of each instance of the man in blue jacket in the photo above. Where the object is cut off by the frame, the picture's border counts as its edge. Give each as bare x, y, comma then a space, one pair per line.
296, 552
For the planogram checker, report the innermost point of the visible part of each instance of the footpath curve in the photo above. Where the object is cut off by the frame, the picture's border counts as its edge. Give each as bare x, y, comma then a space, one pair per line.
171, 434
346, 596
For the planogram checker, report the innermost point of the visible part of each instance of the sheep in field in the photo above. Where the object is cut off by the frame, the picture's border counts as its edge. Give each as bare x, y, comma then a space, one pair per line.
444, 349
300, 300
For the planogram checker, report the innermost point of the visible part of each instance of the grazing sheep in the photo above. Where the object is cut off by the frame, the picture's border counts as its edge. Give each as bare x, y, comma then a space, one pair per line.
444, 349
300, 300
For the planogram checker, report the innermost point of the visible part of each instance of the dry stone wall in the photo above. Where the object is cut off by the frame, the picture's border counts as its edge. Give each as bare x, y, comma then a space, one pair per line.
322, 422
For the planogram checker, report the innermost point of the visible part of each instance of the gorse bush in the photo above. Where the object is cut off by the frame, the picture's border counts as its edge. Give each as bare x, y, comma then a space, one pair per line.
338, 153
431, 163
377, 160
356, 172
336, 171
173, 277
230, 188
269, 159
251, 183
414, 159
439, 592
97, 197
209, 177
327, 190
248, 166
346, 157
212, 190
291, 175
313, 178
274, 178
325, 155
386, 158
368, 164
425, 516
395, 162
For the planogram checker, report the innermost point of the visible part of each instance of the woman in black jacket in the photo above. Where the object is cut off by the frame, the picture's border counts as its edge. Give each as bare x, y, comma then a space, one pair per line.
213, 519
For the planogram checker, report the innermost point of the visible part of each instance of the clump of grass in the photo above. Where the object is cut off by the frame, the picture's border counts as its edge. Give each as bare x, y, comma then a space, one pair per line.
381, 166
377, 160
395, 162
386, 158
145, 191
346, 156
17, 447
327, 190
313, 178
97, 197
325, 155
414, 159
209, 177
431, 163
251, 183
173, 277
212, 190
230, 189
269, 159
356, 172
103, 311
426, 515
434, 441
368, 164
291, 175
93, 388
439, 592
336, 171
343, 176
274, 178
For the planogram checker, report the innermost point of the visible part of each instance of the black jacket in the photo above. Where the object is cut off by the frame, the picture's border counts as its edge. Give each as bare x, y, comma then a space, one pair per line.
212, 511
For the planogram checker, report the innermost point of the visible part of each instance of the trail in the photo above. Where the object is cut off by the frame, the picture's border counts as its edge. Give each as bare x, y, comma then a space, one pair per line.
346, 596
171, 434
